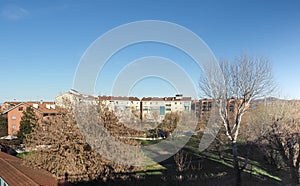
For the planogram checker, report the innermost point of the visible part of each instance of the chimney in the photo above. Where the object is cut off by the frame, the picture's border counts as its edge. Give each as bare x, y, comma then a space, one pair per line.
35, 105
178, 96
48, 106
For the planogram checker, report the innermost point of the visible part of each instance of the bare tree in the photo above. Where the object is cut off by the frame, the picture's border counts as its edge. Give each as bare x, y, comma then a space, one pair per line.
61, 148
182, 162
280, 137
243, 80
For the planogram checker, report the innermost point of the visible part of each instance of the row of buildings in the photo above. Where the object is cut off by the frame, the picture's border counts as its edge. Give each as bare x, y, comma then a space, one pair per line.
146, 108
149, 109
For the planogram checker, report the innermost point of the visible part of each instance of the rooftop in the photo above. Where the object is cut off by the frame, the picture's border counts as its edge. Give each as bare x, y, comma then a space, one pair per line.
40, 106
14, 172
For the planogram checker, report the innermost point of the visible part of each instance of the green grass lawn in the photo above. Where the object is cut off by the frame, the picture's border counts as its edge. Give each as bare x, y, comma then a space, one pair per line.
210, 168
211, 161
22, 155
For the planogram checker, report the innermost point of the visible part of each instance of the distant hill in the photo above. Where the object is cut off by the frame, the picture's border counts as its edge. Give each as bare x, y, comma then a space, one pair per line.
267, 99
274, 99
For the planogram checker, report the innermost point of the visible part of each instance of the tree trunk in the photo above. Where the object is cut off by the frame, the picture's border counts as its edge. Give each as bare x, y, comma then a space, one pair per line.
297, 167
236, 165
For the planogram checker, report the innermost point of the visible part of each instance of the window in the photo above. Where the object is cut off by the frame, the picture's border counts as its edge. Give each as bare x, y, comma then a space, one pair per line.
209, 106
2, 182
13, 117
162, 110
206, 106
20, 108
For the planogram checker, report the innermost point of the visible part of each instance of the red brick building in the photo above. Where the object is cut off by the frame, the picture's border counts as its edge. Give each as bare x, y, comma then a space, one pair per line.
203, 107
7, 105
43, 110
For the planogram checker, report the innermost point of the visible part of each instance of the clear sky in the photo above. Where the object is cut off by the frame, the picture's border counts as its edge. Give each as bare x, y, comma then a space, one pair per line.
41, 42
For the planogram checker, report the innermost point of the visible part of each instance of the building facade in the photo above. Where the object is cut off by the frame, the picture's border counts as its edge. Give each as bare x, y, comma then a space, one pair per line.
68, 99
155, 108
203, 107
152, 109
7, 105
43, 110
122, 106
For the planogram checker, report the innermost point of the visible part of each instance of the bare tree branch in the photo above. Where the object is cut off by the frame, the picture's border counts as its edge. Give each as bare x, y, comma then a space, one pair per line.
245, 79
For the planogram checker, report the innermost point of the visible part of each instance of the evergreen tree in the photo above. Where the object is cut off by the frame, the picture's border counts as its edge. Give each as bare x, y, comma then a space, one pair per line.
28, 122
3, 126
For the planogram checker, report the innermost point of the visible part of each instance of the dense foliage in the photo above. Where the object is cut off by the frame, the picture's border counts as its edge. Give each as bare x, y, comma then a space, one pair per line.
28, 122
62, 150
3, 126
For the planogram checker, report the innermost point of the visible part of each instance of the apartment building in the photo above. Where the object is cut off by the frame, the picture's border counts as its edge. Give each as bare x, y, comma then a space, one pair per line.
155, 108
69, 98
120, 103
122, 106
147, 108
43, 110
203, 107
7, 105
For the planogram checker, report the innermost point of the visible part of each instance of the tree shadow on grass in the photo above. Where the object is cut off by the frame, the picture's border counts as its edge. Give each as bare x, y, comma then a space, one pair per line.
203, 171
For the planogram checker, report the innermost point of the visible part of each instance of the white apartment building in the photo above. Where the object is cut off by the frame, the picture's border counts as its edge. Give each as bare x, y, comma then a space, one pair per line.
152, 109
155, 108
120, 104
72, 96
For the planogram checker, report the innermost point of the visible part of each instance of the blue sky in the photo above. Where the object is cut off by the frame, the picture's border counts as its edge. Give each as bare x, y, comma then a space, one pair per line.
41, 42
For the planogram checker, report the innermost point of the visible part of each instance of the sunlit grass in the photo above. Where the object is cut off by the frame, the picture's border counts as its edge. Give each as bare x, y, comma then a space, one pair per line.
155, 169
24, 154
